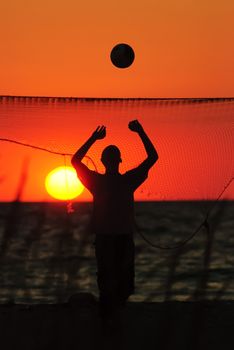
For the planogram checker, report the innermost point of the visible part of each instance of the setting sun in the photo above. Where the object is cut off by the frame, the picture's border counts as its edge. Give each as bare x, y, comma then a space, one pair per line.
62, 183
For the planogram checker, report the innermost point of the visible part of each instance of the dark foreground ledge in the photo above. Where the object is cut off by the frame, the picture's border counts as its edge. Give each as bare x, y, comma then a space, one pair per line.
76, 325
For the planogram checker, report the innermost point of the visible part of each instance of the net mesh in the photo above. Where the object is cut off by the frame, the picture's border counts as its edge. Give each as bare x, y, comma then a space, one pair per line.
194, 139
182, 195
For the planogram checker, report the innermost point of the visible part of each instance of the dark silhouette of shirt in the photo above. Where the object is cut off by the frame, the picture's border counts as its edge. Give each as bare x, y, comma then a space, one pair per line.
113, 197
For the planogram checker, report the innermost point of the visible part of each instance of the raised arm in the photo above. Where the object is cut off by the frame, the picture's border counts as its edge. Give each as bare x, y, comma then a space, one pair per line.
152, 155
98, 134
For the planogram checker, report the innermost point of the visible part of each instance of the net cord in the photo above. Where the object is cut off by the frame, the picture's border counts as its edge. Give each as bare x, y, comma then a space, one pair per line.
45, 150
204, 223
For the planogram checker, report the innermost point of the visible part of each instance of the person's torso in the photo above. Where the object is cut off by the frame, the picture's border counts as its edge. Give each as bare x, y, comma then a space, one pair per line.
113, 205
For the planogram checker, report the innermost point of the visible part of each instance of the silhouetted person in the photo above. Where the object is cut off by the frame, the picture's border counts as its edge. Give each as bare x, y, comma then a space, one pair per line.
113, 216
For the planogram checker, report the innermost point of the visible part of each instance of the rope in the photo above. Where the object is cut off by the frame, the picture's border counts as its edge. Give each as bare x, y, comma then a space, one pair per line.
204, 224
45, 149
176, 246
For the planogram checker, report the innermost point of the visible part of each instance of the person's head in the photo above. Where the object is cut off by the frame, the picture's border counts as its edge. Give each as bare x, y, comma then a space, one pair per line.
111, 157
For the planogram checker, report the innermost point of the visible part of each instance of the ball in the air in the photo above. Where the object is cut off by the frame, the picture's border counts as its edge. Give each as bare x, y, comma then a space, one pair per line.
122, 56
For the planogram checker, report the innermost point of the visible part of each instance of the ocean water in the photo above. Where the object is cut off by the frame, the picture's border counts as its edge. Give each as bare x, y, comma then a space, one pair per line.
47, 254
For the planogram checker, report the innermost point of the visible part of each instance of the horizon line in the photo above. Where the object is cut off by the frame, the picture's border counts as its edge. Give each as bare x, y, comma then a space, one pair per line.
75, 98
136, 201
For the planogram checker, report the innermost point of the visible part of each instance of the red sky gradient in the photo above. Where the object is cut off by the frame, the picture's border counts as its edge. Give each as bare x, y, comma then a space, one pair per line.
61, 48
195, 143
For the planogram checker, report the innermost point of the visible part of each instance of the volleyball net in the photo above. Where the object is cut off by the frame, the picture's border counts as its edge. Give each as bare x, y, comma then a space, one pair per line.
194, 139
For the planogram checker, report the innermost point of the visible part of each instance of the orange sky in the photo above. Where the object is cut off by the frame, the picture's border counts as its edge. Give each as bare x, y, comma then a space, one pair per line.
61, 48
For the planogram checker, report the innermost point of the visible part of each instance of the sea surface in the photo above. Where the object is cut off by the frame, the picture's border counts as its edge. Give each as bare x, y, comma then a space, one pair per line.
47, 254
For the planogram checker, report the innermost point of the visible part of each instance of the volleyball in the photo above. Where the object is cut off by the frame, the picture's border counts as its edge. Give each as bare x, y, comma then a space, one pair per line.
122, 55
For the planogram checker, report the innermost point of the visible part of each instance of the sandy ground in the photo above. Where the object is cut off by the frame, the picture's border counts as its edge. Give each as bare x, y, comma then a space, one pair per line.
76, 325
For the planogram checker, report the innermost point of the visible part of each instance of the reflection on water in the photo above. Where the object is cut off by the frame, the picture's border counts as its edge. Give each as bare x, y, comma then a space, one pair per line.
47, 255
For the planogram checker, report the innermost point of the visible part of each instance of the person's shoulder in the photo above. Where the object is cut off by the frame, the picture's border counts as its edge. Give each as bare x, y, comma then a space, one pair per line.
126, 173
129, 173
139, 172
96, 174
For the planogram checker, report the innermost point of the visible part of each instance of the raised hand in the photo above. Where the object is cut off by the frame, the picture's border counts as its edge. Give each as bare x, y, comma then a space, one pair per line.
99, 133
135, 126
